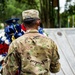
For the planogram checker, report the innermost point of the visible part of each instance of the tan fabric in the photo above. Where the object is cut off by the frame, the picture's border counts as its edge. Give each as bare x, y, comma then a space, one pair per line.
32, 13
33, 54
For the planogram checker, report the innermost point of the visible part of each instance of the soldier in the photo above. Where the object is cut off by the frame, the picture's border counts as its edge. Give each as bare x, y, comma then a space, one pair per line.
32, 53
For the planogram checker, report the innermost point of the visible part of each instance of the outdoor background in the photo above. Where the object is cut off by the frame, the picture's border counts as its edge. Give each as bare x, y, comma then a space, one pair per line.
51, 12
58, 18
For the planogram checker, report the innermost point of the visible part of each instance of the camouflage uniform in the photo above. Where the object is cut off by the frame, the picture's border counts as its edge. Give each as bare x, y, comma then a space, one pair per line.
32, 54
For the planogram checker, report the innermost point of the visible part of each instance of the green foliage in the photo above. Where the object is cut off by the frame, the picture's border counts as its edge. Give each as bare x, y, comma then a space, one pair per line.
69, 12
68, 0
1, 9
71, 9
14, 8
1, 27
64, 19
71, 20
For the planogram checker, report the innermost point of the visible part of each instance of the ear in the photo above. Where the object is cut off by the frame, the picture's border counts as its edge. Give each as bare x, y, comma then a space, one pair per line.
38, 22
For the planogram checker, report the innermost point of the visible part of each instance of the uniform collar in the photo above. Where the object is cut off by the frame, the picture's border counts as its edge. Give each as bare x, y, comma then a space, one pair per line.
32, 31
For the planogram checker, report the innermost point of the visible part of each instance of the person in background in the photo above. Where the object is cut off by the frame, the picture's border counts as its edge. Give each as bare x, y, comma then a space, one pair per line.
40, 29
32, 53
23, 27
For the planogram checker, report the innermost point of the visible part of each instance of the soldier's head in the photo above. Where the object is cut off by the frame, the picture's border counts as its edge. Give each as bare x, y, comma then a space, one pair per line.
31, 18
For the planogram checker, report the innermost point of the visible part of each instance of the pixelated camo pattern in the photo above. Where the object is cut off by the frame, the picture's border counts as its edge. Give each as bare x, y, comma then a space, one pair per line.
32, 55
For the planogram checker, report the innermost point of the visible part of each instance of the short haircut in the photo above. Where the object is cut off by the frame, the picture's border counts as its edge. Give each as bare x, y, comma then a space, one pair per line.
30, 22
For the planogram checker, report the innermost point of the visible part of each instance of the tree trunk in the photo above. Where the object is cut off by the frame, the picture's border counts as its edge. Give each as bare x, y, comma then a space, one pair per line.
46, 13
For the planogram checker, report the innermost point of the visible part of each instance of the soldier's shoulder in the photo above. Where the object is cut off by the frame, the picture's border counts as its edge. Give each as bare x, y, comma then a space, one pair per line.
19, 39
46, 37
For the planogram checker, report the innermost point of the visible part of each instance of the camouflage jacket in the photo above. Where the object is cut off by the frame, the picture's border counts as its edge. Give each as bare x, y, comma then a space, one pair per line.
32, 54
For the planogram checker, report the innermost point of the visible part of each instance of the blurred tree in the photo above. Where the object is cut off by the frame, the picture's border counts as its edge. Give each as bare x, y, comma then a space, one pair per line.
64, 19
2, 7
49, 15
29, 4
46, 13
67, 15
14, 8
68, 0
71, 9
